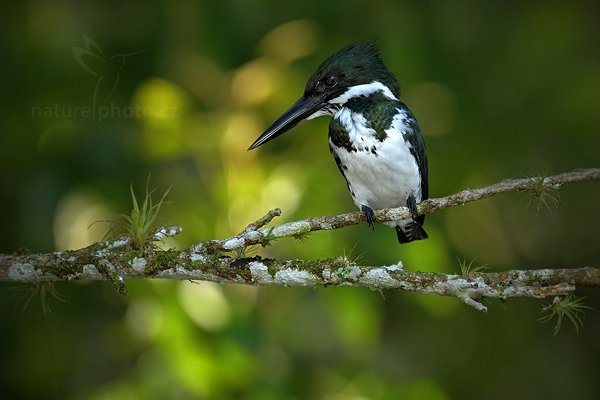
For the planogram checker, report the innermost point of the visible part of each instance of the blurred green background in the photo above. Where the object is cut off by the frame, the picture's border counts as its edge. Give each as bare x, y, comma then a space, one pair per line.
98, 95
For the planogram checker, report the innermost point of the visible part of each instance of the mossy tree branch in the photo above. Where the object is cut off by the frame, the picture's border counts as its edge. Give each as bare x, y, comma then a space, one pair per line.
208, 260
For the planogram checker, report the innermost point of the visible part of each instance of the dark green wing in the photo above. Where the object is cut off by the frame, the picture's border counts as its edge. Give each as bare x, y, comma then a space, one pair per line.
415, 138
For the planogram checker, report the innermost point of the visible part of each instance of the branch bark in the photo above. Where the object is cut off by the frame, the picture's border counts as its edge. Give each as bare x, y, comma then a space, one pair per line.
208, 260
254, 235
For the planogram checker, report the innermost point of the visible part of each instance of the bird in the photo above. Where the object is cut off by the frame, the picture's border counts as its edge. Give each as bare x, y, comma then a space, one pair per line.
374, 138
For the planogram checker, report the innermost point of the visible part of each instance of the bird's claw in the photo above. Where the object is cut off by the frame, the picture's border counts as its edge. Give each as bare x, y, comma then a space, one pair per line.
369, 215
411, 203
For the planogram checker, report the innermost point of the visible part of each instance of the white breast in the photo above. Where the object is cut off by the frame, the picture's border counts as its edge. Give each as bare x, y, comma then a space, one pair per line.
380, 174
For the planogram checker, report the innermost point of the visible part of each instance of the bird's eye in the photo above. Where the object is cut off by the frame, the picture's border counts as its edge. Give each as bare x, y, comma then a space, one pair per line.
330, 80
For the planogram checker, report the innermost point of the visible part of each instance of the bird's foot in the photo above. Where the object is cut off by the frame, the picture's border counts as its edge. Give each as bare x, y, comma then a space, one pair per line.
411, 203
370, 215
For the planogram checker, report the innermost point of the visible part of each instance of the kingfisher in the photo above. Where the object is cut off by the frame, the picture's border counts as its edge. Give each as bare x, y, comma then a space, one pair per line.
374, 138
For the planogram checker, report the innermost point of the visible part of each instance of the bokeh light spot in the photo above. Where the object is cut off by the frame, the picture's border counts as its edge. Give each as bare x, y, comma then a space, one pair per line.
205, 304
253, 83
78, 220
289, 41
161, 106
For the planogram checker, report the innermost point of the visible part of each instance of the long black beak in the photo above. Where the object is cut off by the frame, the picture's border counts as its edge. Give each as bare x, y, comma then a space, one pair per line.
301, 110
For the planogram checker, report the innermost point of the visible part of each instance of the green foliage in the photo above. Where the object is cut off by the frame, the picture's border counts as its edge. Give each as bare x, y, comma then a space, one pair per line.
302, 237
141, 224
569, 306
268, 238
244, 252
354, 256
41, 290
542, 196
466, 269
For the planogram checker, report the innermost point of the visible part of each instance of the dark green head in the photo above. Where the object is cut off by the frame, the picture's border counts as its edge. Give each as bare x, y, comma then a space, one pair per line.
355, 64
356, 70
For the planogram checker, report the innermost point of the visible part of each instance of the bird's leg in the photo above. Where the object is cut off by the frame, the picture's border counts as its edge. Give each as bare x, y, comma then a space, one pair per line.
411, 203
370, 215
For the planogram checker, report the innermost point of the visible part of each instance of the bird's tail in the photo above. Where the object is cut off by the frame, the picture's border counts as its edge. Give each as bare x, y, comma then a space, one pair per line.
412, 231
